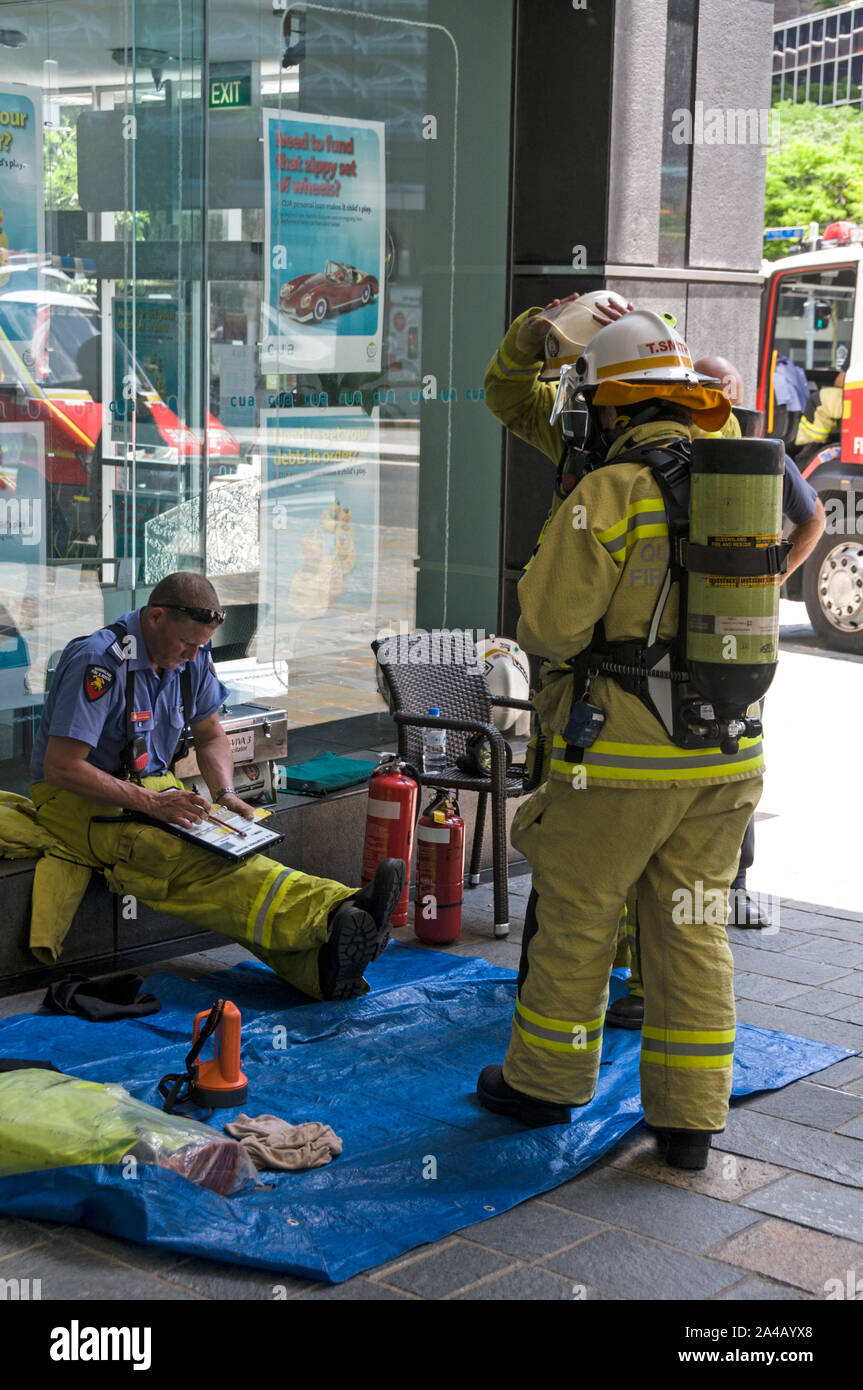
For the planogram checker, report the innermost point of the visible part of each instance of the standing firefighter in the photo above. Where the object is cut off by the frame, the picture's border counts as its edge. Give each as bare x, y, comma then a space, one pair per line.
625, 803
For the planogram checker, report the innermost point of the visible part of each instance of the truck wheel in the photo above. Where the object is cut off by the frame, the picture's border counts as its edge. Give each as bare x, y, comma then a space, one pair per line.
833, 591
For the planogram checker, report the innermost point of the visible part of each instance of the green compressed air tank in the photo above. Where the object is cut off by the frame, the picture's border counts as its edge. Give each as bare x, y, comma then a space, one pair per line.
735, 548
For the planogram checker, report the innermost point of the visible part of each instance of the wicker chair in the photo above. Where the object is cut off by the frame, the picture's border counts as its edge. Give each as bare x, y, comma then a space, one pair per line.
422, 670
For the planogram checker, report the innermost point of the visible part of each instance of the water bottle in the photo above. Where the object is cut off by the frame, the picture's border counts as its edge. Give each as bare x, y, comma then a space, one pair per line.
434, 746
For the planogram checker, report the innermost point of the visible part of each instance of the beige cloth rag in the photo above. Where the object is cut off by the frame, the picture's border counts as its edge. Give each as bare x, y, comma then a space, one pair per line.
273, 1143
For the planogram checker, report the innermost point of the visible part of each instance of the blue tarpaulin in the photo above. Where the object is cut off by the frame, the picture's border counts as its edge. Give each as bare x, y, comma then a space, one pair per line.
393, 1073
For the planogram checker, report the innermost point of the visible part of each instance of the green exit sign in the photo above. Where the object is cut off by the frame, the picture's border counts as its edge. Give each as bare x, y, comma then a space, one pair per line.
227, 92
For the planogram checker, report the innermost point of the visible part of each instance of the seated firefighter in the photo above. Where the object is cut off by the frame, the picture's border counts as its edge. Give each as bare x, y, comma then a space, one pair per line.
121, 701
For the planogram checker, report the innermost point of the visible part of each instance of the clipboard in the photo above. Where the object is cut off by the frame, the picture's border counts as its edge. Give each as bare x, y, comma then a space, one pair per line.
256, 838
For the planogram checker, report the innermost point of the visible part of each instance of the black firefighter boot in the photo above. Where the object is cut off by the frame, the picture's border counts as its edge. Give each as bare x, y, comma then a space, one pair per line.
684, 1148
626, 1012
743, 910
497, 1095
360, 930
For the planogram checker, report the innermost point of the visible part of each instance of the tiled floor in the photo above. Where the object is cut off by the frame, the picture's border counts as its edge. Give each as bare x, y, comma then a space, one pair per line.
777, 1215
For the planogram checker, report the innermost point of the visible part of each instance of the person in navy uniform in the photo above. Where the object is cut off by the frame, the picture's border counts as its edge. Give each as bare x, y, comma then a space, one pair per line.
121, 704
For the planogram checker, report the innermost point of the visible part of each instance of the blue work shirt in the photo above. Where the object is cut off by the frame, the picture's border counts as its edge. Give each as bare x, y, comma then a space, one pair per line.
87, 700
798, 496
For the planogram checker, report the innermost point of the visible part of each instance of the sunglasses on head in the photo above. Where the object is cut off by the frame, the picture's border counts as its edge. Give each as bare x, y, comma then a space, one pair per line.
211, 616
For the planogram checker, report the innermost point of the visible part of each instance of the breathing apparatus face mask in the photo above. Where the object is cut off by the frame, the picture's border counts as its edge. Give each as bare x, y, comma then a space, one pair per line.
579, 420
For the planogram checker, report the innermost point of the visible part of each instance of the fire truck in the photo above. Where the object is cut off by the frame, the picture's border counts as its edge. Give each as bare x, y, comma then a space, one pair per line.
809, 338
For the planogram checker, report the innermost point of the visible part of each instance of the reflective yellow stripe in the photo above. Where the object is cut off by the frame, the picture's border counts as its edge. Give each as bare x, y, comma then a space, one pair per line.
707, 1048
702, 1063
259, 899
689, 1035
642, 519
816, 436
649, 762
643, 364
560, 1025
509, 367
574, 1047
266, 931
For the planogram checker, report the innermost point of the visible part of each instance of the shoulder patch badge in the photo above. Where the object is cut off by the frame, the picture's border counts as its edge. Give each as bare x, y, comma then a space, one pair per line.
97, 680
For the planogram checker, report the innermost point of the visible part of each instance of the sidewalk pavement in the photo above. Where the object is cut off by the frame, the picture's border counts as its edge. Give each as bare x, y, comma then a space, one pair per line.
777, 1215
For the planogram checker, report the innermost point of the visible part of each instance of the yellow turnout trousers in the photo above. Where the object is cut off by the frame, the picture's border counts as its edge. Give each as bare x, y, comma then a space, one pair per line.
586, 847
277, 913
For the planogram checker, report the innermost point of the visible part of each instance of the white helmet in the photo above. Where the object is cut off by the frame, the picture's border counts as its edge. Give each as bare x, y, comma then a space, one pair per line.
639, 357
572, 327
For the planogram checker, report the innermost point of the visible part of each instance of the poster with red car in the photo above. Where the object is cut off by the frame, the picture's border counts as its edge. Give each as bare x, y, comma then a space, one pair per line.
325, 180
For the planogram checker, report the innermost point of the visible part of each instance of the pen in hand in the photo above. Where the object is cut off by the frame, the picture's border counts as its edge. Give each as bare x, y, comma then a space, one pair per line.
230, 829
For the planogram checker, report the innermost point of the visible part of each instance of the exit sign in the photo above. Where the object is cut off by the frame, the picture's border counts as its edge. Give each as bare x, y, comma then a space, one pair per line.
224, 92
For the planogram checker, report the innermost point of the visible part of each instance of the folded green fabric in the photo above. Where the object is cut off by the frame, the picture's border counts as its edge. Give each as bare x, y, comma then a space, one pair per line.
326, 773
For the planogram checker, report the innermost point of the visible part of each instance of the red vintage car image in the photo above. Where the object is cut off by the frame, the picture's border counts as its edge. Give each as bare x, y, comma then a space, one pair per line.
310, 298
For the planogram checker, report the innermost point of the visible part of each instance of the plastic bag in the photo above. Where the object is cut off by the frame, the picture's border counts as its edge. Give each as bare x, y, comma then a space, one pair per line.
50, 1120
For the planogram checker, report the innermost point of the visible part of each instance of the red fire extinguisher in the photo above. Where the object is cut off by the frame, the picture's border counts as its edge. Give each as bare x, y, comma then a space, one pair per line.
440, 871
390, 817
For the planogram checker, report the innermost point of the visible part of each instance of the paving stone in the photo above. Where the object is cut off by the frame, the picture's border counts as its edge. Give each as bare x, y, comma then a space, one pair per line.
826, 1206
774, 940
726, 1177
447, 1271
851, 984
850, 1010
827, 1002
785, 1019
764, 989
799, 1147
215, 1279
528, 1282
784, 966
356, 1288
814, 910
759, 1290
823, 1107
781, 1250
682, 1218
621, 1263
149, 1258
831, 952
18, 1235
850, 1069
68, 1270
531, 1230
854, 1128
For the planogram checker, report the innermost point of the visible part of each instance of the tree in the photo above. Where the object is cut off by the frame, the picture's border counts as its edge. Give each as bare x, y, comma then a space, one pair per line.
827, 4
815, 167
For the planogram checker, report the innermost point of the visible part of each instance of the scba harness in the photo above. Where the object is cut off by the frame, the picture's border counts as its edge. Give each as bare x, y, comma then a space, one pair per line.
698, 704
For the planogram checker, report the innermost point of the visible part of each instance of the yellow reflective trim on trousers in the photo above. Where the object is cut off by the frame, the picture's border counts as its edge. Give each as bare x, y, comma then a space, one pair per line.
689, 1035
259, 899
693, 1063
266, 931
560, 1025
550, 1046
632, 774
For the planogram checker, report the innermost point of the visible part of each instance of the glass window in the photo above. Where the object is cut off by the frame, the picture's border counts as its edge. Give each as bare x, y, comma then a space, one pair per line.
676, 158
845, 22
235, 337
814, 319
